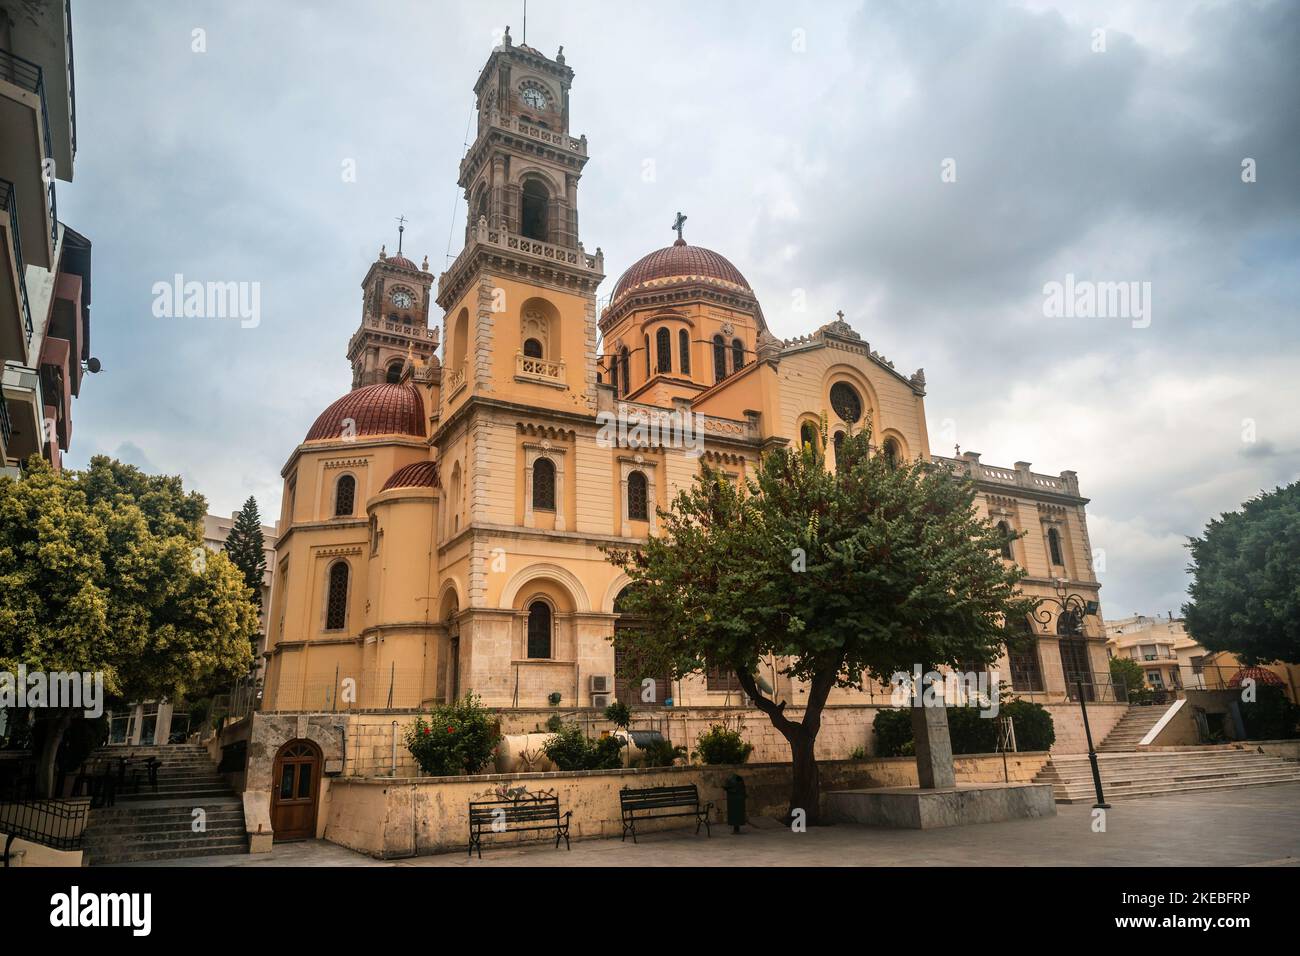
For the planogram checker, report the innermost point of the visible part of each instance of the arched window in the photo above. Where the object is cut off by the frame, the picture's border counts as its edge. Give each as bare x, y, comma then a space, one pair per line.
637, 500
647, 358
614, 376
846, 402
1022, 655
533, 210
808, 434
336, 602
544, 484
533, 348
1006, 540
737, 355
890, 450
345, 495
839, 443
684, 351
459, 339
1054, 546
539, 629
719, 358
663, 351
625, 360
394, 373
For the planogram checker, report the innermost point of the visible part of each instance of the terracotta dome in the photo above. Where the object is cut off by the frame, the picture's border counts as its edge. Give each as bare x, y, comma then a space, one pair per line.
1262, 677
422, 474
402, 262
384, 409
680, 261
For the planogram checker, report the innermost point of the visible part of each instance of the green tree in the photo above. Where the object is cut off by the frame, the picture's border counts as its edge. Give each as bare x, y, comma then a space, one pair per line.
1129, 672
1245, 591
105, 571
872, 568
246, 547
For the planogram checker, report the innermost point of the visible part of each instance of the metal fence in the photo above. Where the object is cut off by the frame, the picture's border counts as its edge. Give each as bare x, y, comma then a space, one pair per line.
57, 824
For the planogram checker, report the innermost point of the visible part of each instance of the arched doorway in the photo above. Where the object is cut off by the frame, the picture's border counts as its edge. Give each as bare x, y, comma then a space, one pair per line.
296, 792
1074, 655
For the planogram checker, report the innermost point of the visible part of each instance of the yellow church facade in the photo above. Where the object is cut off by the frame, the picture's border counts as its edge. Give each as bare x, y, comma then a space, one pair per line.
442, 523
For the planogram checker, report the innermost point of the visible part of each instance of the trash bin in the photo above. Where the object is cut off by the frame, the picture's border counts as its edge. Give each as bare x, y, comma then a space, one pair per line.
735, 790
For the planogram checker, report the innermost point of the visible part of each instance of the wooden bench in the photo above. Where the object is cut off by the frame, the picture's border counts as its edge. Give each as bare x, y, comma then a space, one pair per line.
513, 816
657, 803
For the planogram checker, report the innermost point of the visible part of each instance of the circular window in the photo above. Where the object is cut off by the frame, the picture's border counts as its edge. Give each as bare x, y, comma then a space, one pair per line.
846, 402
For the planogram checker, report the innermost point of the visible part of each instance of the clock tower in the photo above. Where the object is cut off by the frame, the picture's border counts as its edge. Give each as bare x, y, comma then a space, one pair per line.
394, 320
520, 299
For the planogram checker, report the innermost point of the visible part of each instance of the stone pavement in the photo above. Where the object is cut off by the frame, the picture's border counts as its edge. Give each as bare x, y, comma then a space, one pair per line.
1258, 826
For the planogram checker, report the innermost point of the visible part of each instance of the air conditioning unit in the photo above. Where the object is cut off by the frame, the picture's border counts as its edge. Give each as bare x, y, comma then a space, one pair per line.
600, 684
601, 701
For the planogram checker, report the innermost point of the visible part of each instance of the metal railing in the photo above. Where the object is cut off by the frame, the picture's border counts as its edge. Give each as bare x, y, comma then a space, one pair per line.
9, 201
57, 824
29, 76
72, 79
1096, 688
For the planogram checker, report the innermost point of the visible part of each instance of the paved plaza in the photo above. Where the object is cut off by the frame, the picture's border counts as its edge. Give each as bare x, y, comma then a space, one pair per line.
1257, 826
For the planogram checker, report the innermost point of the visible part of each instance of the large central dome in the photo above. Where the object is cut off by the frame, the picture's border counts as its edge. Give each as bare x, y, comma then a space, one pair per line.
383, 409
680, 262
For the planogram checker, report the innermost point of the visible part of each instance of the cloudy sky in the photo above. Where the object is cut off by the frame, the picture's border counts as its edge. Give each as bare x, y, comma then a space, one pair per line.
926, 167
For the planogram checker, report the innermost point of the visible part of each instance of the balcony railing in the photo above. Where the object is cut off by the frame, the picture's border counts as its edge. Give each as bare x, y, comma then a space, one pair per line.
29, 76
58, 824
539, 369
6, 427
10, 205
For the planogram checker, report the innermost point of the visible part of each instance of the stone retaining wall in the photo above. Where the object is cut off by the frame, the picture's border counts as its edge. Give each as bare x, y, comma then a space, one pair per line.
387, 817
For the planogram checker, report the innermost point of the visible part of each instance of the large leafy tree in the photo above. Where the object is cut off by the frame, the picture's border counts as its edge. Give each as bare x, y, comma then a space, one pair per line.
105, 571
1245, 590
868, 569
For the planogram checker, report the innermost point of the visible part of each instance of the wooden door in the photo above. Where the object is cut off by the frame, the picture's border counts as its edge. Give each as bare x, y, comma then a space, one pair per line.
296, 792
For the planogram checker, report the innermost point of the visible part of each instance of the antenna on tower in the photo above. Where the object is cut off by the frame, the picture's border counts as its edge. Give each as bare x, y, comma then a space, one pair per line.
401, 228
525, 39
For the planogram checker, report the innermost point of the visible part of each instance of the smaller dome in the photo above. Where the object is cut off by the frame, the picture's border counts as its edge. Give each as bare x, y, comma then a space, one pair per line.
402, 262
422, 474
680, 263
1262, 677
383, 409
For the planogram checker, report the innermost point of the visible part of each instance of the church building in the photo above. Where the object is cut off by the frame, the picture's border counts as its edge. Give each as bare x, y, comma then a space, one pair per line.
442, 522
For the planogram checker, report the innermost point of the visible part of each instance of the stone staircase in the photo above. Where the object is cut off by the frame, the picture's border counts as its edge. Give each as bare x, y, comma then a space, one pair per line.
1156, 772
149, 826
1133, 726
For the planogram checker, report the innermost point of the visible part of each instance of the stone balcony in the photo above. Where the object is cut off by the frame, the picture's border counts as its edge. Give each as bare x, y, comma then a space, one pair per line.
488, 239
539, 370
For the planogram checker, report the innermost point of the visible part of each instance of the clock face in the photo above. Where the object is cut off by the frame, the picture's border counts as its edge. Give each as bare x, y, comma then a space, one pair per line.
534, 98
403, 299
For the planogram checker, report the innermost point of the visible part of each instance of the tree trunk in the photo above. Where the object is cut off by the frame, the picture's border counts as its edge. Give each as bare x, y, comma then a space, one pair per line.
49, 752
805, 789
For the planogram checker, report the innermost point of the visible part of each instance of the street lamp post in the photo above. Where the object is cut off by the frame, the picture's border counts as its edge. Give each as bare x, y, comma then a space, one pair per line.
1073, 609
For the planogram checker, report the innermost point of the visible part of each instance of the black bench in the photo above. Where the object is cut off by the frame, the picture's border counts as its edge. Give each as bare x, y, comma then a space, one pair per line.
509, 816
655, 803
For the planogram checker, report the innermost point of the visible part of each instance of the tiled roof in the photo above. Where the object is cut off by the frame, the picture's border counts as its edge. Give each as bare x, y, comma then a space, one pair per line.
679, 261
384, 409
422, 474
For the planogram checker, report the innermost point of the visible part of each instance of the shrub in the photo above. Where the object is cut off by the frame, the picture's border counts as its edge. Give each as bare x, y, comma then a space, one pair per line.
1129, 672
969, 732
859, 753
660, 752
893, 729
721, 745
458, 738
569, 749
1270, 716
618, 714
1035, 729
554, 723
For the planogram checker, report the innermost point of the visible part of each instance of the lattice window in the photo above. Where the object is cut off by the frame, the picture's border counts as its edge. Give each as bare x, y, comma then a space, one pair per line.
539, 629
637, 499
891, 455
1054, 546
1006, 540
719, 358
846, 402
544, 484
684, 350
345, 496
737, 355
336, 608
716, 678
663, 351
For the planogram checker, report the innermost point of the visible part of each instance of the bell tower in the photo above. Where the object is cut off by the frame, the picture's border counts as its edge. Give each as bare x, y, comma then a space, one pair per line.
520, 299
395, 300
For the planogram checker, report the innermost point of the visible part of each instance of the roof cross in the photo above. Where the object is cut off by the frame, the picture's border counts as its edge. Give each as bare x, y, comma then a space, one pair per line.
678, 223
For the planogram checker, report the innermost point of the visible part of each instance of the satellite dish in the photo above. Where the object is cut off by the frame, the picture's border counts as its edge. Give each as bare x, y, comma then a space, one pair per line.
93, 366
